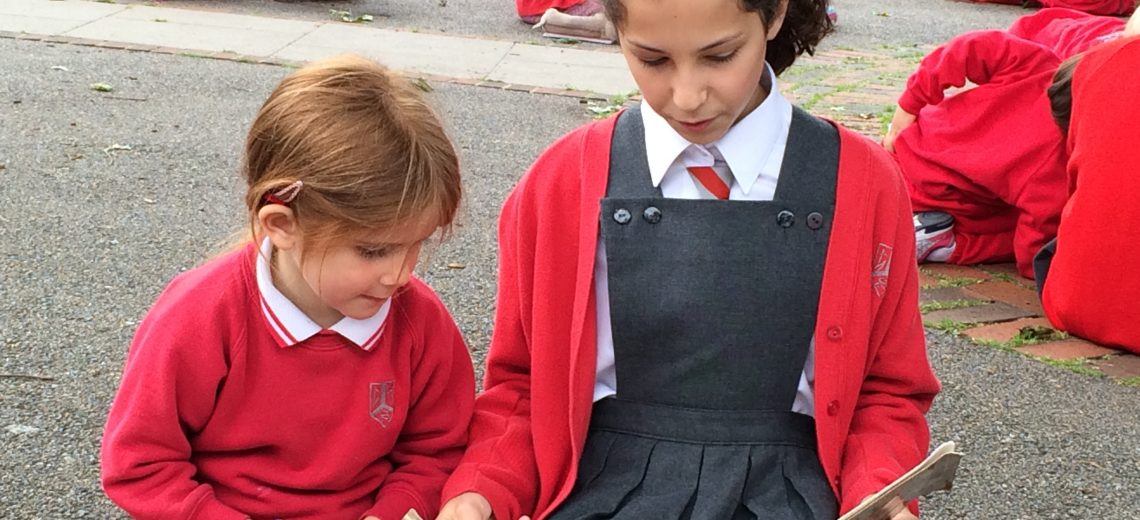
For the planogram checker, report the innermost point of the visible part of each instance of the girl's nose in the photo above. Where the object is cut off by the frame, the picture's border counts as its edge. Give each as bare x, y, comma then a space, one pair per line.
689, 92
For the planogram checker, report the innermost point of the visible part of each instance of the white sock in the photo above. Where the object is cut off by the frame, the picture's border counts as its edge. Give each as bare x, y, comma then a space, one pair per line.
941, 254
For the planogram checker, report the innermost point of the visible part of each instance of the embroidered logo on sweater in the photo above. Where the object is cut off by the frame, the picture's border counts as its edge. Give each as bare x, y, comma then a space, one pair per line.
882, 269
380, 397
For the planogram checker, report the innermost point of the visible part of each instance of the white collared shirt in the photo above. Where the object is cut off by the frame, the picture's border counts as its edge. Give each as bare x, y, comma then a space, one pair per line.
753, 149
291, 326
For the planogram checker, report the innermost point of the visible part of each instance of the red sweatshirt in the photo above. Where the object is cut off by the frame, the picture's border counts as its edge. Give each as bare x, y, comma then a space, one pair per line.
873, 380
1068, 32
217, 419
1093, 285
1101, 7
991, 151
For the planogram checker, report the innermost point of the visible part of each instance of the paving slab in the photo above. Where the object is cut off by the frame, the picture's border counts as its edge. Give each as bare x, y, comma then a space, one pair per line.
595, 71
988, 313
954, 271
406, 51
1069, 349
1007, 292
1004, 331
194, 30
944, 294
1124, 366
53, 18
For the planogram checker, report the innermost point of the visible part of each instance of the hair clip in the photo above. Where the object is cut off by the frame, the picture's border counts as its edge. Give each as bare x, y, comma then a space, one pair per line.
284, 195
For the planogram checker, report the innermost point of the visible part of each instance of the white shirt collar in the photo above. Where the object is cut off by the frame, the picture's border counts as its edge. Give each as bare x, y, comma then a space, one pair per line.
291, 326
752, 147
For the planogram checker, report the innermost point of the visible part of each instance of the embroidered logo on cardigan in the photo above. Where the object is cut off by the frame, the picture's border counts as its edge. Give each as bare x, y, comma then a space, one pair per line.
882, 269
380, 394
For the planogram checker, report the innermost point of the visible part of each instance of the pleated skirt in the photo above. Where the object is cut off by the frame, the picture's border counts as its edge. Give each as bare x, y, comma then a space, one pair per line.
645, 461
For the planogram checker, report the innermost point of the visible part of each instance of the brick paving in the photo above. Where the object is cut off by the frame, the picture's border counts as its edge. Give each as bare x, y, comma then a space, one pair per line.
991, 305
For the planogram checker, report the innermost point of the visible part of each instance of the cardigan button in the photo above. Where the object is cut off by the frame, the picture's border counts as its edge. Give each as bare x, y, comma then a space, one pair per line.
835, 333
622, 216
833, 408
652, 215
814, 220
785, 219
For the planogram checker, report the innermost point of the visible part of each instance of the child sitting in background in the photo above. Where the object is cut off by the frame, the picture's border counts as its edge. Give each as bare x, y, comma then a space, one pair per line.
1092, 285
307, 375
985, 168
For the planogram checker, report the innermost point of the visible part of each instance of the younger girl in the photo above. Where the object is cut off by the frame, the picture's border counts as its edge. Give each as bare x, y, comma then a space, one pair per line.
990, 157
708, 305
307, 375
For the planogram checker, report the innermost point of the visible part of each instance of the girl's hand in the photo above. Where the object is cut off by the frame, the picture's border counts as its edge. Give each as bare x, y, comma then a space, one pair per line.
899, 122
468, 506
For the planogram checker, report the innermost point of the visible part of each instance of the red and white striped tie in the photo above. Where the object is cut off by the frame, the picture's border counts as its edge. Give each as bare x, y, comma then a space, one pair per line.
710, 181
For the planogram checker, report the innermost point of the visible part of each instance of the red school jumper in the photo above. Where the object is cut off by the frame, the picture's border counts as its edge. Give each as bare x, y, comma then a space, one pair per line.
1093, 287
991, 156
218, 417
873, 380
1068, 32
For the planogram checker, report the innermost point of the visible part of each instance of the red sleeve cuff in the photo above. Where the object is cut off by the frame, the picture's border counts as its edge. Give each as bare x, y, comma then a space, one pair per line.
467, 479
211, 509
910, 103
393, 504
867, 485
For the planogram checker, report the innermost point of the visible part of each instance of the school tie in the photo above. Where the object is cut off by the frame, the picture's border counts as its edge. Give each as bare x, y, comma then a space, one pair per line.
710, 180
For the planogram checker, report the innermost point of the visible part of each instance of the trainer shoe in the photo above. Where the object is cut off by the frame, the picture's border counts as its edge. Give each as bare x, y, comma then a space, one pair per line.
933, 236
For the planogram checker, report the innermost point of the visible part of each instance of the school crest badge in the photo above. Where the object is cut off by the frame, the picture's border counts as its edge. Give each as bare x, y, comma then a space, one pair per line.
881, 269
380, 402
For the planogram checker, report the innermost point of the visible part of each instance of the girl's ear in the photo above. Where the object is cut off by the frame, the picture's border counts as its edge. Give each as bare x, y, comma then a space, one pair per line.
279, 224
777, 20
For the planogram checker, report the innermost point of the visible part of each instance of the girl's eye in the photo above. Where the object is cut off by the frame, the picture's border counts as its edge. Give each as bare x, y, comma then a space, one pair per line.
374, 252
723, 58
654, 63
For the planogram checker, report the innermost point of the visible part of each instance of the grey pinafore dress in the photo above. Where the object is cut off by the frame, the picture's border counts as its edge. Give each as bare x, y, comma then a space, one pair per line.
713, 305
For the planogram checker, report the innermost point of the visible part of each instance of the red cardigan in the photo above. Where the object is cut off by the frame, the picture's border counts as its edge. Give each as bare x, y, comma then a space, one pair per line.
216, 420
1068, 32
1093, 282
873, 385
996, 144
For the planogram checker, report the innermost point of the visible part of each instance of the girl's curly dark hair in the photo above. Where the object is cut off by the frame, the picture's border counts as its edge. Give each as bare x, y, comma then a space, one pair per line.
805, 24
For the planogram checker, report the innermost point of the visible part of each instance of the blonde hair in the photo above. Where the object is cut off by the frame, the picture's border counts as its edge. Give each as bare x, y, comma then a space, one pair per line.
368, 149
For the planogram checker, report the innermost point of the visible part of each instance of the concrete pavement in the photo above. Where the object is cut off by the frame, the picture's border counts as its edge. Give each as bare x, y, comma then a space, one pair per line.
247, 37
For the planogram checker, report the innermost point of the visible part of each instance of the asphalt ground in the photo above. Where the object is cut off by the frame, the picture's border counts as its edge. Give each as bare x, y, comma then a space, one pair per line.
862, 23
90, 232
